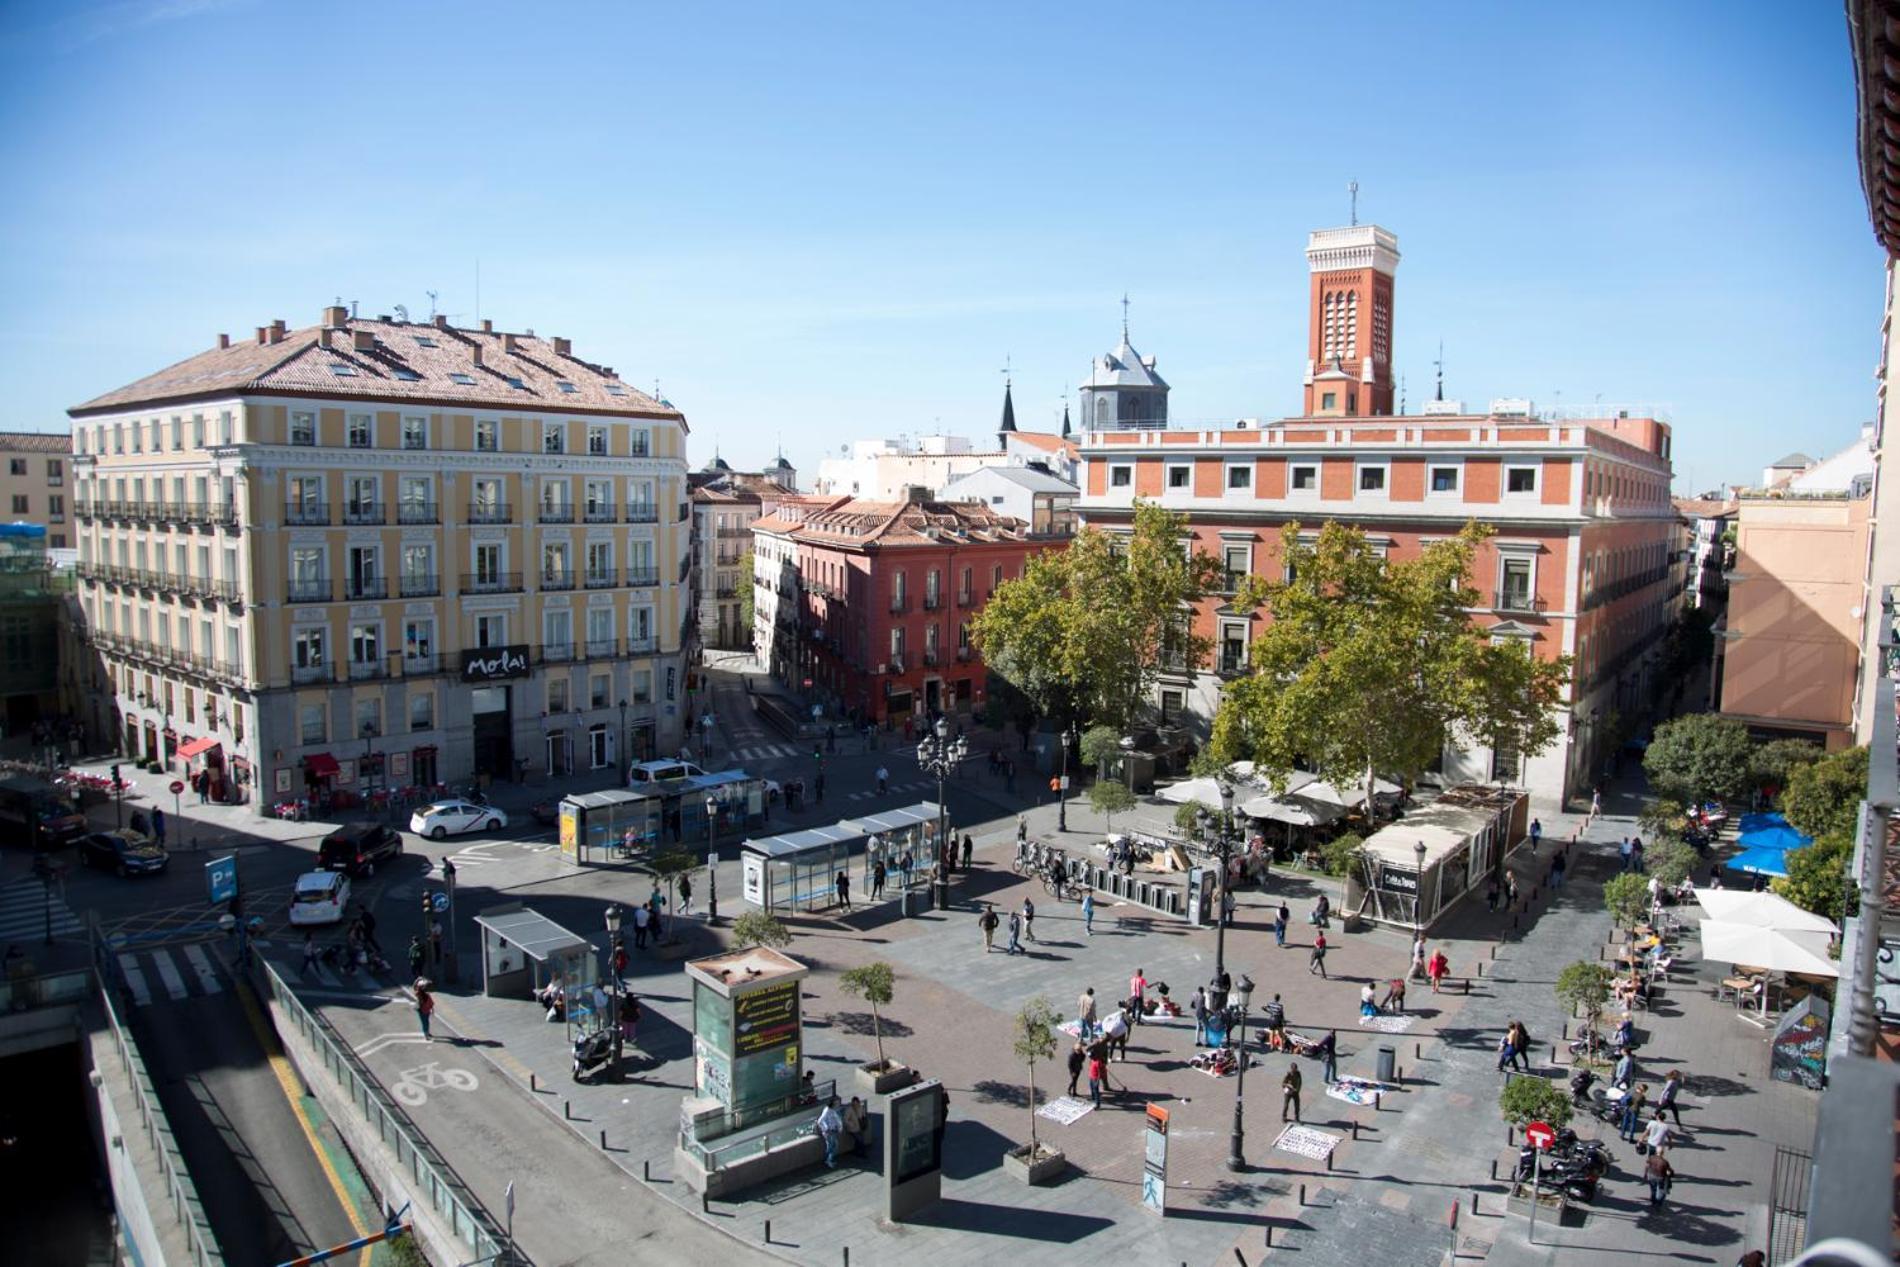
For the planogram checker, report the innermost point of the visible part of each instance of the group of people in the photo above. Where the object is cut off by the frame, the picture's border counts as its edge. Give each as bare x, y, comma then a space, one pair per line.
1022, 924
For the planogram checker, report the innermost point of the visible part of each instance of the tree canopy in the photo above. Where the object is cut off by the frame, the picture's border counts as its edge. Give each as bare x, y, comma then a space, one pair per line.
1817, 876
874, 983
1034, 1041
1626, 897
1777, 759
1110, 798
1584, 988
1371, 666
1700, 757
1823, 798
1083, 632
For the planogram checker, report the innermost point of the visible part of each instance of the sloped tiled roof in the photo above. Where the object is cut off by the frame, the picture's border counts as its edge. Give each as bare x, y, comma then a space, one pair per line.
864, 522
36, 441
1047, 442
1022, 476
424, 363
792, 511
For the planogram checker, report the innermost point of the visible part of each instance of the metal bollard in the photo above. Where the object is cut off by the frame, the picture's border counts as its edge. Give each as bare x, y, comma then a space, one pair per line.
705, 1204
1480, 967
567, 1110
1474, 1204
768, 1231
1494, 1170
1494, 950
1355, 1129
1269, 1233
1378, 1099
1302, 1196
533, 1081
1418, 1051
646, 1170
603, 1139
847, 1256
1510, 1135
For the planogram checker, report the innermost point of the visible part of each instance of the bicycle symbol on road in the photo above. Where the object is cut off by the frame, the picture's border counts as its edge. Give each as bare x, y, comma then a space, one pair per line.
414, 1085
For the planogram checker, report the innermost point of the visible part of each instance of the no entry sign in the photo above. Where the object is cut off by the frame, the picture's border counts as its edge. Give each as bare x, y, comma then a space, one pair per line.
1540, 1135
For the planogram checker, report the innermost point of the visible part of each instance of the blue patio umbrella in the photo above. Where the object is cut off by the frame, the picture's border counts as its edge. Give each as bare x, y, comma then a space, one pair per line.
1766, 840
1762, 861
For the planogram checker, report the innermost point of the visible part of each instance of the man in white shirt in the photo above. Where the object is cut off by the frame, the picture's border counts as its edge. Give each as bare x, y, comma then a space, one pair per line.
829, 1124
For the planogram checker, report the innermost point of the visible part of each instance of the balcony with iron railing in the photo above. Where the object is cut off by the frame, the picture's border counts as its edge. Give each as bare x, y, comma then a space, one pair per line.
368, 670
643, 576
598, 513
490, 513
557, 579
1513, 599
930, 658
965, 598
492, 583
307, 515
643, 513
311, 674
419, 585
745, 532
365, 587
899, 605
642, 644
365, 513
601, 648
556, 652
420, 664
965, 654
417, 513
556, 513
309, 590
1233, 661
932, 602
598, 578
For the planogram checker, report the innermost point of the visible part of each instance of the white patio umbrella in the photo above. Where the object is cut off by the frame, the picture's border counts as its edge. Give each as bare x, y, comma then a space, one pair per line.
1761, 910
1769, 949
1291, 811
1319, 790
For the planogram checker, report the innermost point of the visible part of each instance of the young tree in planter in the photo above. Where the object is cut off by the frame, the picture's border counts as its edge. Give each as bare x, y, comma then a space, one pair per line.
1529, 1099
1036, 1041
1817, 878
873, 983
1187, 819
1101, 745
1584, 988
758, 928
1662, 818
1111, 798
1627, 899
1341, 855
667, 870
1670, 861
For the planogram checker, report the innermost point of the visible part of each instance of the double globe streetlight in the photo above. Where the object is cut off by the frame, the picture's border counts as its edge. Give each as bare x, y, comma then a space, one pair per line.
939, 755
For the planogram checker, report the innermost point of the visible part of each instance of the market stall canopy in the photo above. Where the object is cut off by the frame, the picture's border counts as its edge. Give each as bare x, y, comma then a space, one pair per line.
1291, 810
1320, 790
1205, 790
1761, 910
1770, 949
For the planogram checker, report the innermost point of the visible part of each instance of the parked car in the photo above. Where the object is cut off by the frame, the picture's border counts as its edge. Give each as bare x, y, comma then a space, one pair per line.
453, 817
647, 775
34, 812
321, 897
359, 848
547, 812
123, 851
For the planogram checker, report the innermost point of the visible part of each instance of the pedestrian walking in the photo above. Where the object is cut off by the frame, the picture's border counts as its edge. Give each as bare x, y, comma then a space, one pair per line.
877, 880
1557, 868
1631, 1119
309, 952
987, 921
1656, 1135
1623, 854
1227, 904
1418, 956
1088, 912
1198, 1005
969, 850
1098, 1072
1077, 1058
1625, 1072
1660, 1175
1137, 991
1015, 946
1521, 1047
1537, 833
830, 1124
158, 825
641, 918
1328, 1052
1596, 803
1491, 896
883, 780
1436, 969
1510, 888
843, 885
418, 956
686, 893
1087, 1013
1505, 1050
1666, 1099
1280, 918
1636, 856
1317, 963
1273, 1019
1029, 919
1290, 1093
425, 1008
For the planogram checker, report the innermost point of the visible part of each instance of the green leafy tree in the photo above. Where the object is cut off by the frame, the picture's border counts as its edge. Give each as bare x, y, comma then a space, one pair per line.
873, 982
1369, 666
758, 928
1817, 877
1527, 1099
1584, 988
1662, 818
1777, 759
1085, 630
745, 597
1341, 854
1110, 798
667, 869
1035, 1042
1670, 860
1626, 897
1701, 756
1187, 819
1101, 745
1823, 799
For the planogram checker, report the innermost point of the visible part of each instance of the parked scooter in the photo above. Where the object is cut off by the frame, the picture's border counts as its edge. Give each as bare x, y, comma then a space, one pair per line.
593, 1054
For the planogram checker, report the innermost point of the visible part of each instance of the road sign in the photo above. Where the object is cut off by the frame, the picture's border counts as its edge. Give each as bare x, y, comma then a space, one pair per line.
221, 878
440, 901
1539, 1135
177, 786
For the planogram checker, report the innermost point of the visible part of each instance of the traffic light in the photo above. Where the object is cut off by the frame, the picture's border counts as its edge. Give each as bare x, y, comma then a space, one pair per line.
115, 774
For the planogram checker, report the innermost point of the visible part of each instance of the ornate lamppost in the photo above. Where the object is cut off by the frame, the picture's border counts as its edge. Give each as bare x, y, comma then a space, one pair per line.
1236, 1155
938, 755
613, 946
1062, 804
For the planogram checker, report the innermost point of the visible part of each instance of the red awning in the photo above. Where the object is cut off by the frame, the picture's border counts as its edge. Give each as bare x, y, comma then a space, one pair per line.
426, 749
320, 765
194, 747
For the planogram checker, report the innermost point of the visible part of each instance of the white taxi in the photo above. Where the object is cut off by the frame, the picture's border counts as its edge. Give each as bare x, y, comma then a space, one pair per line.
321, 897
453, 817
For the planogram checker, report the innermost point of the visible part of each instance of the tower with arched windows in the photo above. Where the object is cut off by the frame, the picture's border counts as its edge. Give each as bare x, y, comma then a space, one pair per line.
1123, 392
1349, 319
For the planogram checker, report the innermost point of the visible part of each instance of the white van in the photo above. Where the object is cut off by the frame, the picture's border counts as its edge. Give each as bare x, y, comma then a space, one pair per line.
321, 897
649, 775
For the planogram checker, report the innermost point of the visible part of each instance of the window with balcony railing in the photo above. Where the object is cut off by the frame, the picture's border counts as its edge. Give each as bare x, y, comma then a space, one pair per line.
490, 513
310, 590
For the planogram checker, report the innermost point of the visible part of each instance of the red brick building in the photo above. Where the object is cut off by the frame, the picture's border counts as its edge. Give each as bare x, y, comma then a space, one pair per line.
888, 593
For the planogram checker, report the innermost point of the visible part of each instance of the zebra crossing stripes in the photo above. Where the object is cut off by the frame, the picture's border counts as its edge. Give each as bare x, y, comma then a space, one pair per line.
135, 981
23, 912
170, 973
201, 964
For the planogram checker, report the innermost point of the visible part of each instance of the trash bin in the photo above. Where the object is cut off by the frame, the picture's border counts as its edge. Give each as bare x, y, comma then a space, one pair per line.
1388, 1062
903, 900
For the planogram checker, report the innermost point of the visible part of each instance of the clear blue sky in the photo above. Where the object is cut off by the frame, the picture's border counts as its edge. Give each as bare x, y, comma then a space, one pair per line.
821, 223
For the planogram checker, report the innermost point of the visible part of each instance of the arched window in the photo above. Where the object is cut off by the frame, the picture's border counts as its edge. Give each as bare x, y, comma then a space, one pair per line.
1101, 409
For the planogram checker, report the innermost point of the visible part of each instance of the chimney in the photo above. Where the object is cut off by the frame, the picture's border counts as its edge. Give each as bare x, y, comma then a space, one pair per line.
261, 332
363, 340
323, 337
278, 330
916, 494
507, 342
476, 351
224, 340
563, 347
336, 317
441, 321
488, 327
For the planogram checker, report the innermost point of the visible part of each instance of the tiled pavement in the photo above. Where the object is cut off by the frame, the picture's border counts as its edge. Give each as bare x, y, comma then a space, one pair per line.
1388, 1197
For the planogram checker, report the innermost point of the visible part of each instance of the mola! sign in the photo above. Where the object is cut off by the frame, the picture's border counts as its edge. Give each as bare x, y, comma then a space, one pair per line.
488, 664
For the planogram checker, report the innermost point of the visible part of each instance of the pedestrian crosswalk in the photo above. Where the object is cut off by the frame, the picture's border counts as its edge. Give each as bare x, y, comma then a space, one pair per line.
171, 973
768, 752
25, 907
896, 789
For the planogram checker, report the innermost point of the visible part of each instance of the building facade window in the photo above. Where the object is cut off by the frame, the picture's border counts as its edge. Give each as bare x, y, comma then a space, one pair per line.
415, 433
360, 429
1372, 479
1445, 480
1303, 478
1520, 479
303, 429
487, 435
1121, 477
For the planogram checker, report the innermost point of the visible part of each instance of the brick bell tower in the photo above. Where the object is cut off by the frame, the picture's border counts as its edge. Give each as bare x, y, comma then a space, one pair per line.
1349, 321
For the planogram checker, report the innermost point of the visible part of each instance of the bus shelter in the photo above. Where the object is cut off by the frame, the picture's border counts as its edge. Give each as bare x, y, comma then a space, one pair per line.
599, 827
595, 825
894, 835
799, 870
523, 951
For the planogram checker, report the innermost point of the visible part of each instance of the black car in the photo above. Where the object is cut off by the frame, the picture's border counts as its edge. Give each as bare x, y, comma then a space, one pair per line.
358, 848
547, 813
125, 852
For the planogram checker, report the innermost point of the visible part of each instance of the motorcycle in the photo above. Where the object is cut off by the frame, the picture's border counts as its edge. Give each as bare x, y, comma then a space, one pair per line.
593, 1054
1557, 1174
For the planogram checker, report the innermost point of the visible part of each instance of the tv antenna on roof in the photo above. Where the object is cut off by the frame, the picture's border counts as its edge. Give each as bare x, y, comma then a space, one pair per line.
1439, 365
432, 294
1352, 191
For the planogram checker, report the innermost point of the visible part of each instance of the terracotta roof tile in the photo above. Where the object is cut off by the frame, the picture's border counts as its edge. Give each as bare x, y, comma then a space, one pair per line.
36, 441
407, 361
861, 523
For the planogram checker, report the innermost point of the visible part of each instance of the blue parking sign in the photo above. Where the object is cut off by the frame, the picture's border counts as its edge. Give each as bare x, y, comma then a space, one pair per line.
221, 878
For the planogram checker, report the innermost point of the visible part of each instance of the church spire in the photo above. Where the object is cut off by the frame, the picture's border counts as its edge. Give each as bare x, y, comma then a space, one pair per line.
1065, 420
1009, 416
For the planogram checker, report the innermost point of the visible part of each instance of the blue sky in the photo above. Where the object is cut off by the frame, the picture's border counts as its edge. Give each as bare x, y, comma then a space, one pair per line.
815, 223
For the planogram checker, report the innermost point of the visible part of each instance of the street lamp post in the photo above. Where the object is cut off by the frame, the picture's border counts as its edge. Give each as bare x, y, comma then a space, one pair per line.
938, 754
712, 861
1236, 1143
1062, 804
626, 745
613, 973
449, 970
1224, 847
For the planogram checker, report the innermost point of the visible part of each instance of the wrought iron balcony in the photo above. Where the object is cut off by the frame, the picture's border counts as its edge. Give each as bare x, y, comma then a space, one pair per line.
643, 513
307, 515
492, 583
419, 585
490, 513
310, 590
417, 513
365, 513
355, 587
556, 514
562, 579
